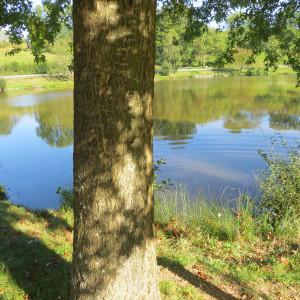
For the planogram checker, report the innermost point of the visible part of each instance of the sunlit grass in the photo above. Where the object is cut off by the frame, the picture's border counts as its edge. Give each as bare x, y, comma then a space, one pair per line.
23, 62
25, 85
36, 251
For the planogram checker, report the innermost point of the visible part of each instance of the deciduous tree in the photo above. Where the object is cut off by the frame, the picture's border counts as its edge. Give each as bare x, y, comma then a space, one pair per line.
114, 252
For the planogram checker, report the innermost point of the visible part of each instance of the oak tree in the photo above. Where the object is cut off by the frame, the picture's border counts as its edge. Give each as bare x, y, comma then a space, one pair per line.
114, 251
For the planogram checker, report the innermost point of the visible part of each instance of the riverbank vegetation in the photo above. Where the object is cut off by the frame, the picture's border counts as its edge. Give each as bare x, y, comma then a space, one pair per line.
178, 54
176, 58
205, 249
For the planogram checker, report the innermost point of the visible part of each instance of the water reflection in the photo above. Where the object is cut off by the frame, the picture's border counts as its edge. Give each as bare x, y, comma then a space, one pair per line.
240, 102
55, 119
207, 130
282, 121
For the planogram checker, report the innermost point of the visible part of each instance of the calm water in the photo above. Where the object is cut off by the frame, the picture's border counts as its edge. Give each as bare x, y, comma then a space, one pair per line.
208, 131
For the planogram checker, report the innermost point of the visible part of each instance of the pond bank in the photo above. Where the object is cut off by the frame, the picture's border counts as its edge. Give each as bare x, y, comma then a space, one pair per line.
36, 253
29, 83
36, 84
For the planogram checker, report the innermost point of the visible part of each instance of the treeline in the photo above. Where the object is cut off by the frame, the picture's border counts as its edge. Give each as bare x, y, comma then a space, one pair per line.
175, 49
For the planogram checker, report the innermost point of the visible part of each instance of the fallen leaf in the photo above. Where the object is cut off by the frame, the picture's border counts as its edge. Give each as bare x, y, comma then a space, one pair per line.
284, 260
22, 221
68, 235
202, 275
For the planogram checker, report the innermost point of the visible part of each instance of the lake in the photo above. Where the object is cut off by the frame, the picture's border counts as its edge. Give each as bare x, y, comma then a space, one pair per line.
207, 130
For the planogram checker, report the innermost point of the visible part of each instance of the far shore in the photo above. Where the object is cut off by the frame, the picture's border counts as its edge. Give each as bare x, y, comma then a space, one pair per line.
22, 84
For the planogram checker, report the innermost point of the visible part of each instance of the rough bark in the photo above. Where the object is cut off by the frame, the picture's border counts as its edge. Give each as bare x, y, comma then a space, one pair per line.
114, 252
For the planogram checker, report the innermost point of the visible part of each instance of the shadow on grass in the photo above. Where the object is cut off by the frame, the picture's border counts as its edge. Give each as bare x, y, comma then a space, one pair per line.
39, 271
194, 280
208, 287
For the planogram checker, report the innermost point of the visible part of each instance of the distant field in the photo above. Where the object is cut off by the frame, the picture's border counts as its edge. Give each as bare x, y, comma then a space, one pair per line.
23, 63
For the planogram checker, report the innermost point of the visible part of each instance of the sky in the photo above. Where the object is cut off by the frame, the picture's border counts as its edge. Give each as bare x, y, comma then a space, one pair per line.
36, 2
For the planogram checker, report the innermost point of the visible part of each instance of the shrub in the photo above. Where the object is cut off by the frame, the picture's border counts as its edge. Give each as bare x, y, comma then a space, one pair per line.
280, 187
33, 68
66, 199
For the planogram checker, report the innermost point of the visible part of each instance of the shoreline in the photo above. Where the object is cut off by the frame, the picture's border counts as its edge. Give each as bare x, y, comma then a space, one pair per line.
44, 82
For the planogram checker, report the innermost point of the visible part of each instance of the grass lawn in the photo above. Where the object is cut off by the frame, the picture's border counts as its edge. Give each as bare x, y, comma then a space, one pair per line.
23, 62
229, 71
36, 252
27, 85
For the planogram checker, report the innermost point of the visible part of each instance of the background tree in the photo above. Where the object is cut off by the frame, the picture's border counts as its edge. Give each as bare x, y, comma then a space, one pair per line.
208, 47
169, 43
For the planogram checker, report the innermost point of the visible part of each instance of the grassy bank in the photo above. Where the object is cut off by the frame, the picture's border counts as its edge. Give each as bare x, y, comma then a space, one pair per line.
205, 249
226, 72
204, 252
25, 85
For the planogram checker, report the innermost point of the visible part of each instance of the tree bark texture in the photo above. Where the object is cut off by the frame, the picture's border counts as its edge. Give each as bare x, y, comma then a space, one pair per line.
114, 48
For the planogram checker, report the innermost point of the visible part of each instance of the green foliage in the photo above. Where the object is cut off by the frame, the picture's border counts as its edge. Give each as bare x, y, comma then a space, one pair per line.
208, 47
163, 184
169, 45
66, 199
24, 68
280, 187
23, 63
252, 28
183, 39
173, 50
3, 195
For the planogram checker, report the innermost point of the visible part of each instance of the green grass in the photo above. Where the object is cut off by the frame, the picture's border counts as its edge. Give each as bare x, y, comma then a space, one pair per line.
35, 254
21, 86
225, 72
171, 290
23, 63
200, 253
227, 247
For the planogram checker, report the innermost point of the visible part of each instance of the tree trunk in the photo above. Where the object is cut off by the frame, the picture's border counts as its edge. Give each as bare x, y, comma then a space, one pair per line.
114, 251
